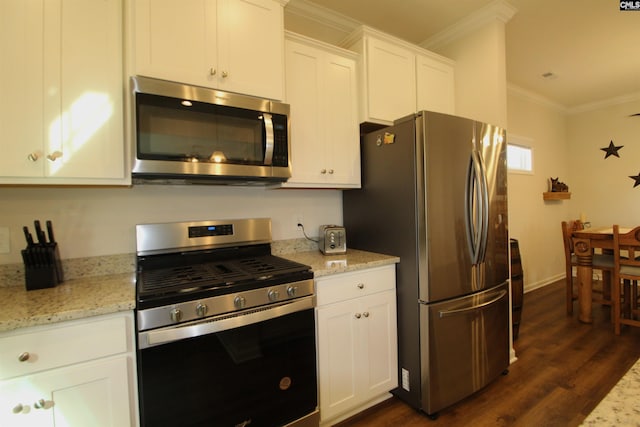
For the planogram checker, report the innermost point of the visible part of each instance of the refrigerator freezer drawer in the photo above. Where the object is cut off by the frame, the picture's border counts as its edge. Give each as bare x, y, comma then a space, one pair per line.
465, 345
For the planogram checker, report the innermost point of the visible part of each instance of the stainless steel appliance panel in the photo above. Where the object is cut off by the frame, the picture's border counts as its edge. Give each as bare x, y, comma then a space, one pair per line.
465, 345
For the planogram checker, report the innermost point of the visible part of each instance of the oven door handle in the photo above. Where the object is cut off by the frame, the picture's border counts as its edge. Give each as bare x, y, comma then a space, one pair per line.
221, 323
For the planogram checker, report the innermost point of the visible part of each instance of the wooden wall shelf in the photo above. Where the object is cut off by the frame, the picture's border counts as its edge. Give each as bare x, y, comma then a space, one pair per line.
556, 195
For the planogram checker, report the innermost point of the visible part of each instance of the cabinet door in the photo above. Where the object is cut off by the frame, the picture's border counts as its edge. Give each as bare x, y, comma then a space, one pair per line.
337, 358
87, 133
176, 40
21, 77
90, 394
379, 341
435, 85
341, 122
391, 81
251, 47
322, 92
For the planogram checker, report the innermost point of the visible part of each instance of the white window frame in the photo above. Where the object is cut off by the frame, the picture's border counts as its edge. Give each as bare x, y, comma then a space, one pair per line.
526, 144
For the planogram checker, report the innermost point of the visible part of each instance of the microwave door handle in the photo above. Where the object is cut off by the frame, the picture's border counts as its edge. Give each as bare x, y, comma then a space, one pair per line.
268, 132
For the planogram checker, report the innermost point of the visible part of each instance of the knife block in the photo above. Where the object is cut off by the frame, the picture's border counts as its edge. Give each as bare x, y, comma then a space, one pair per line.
46, 272
40, 277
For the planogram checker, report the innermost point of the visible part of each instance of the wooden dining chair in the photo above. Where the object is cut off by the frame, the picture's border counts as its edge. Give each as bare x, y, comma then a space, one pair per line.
626, 275
602, 262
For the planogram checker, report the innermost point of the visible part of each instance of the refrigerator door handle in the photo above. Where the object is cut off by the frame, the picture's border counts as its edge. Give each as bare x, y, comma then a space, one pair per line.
448, 313
477, 208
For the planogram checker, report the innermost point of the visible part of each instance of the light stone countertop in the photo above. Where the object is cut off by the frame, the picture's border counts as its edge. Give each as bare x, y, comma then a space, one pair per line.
85, 295
619, 408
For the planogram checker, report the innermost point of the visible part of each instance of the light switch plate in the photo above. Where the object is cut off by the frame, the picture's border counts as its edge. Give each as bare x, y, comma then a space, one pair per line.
5, 248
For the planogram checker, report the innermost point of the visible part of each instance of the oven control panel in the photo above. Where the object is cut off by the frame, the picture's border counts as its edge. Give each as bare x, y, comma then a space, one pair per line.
223, 304
211, 230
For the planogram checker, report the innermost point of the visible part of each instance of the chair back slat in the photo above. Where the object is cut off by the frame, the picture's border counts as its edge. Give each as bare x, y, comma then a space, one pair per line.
626, 247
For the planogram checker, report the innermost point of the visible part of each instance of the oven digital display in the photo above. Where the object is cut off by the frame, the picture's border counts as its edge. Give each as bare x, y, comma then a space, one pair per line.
211, 230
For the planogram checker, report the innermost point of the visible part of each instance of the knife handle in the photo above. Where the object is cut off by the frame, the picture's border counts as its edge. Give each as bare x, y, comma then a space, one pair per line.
50, 232
27, 236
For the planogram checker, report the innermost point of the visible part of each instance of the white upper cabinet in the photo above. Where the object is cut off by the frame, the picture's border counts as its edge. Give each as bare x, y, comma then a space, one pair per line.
232, 45
398, 78
61, 85
322, 92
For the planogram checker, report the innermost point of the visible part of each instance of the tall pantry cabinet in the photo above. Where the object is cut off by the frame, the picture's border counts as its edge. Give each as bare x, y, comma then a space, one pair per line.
61, 85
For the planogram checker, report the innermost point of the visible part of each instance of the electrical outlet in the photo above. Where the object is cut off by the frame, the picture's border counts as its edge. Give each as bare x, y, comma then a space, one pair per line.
298, 219
5, 248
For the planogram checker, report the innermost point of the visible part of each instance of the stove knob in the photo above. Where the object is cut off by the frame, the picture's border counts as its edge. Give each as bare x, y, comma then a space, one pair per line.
176, 315
273, 295
201, 309
239, 302
292, 291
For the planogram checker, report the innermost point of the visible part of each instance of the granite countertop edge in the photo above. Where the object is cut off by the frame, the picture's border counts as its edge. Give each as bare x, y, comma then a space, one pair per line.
87, 295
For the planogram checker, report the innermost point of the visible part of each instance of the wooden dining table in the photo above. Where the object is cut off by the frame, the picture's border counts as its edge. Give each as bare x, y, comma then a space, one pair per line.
584, 243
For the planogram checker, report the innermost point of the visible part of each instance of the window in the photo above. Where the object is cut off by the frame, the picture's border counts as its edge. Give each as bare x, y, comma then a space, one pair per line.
519, 155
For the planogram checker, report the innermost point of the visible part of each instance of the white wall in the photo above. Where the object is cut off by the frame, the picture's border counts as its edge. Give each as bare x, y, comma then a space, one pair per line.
601, 188
101, 221
534, 222
480, 78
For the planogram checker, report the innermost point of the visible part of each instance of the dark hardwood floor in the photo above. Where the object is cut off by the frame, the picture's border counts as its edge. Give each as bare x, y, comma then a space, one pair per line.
564, 369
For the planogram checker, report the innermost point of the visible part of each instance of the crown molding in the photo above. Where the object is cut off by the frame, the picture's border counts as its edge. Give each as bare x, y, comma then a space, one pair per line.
499, 10
311, 11
605, 103
528, 95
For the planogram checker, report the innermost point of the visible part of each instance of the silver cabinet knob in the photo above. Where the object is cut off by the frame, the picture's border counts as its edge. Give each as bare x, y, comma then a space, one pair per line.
24, 356
201, 309
292, 291
55, 155
18, 408
40, 404
239, 302
34, 156
331, 171
360, 285
225, 74
212, 71
365, 314
176, 315
273, 295
358, 315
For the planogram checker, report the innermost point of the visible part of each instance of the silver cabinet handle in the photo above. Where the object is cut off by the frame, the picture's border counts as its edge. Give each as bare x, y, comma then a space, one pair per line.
34, 156
212, 71
365, 314
360, 285
224, 74
331, 171
24, 356
55, 155
323, 171
40, 404
18, 408
358, 315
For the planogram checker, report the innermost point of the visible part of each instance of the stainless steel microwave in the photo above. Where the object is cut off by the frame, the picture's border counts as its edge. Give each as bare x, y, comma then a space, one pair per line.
190, 134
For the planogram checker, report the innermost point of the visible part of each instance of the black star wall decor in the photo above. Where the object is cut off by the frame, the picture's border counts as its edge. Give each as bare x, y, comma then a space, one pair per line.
637, 179
612, 150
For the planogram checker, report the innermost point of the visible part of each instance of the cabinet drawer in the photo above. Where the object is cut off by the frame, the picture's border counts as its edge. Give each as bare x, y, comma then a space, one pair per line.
62, 345
344, 286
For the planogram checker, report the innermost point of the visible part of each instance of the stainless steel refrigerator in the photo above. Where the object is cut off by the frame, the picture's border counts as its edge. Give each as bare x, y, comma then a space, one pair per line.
434, 193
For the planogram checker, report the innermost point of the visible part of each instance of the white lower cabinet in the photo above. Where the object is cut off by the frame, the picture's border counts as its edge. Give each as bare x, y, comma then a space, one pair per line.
77, 373
357, 341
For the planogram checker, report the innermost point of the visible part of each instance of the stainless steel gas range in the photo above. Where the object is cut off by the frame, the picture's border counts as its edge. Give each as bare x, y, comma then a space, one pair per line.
226, 330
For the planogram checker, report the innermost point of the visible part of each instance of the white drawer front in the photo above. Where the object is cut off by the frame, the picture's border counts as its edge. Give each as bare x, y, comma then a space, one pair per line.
59, 346
344, 286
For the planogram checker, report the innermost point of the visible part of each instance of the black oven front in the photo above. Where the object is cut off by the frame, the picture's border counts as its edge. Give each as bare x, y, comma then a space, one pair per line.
253, 368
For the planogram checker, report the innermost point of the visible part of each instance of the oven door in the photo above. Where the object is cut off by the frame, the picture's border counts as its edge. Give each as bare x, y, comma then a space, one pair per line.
241, 374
